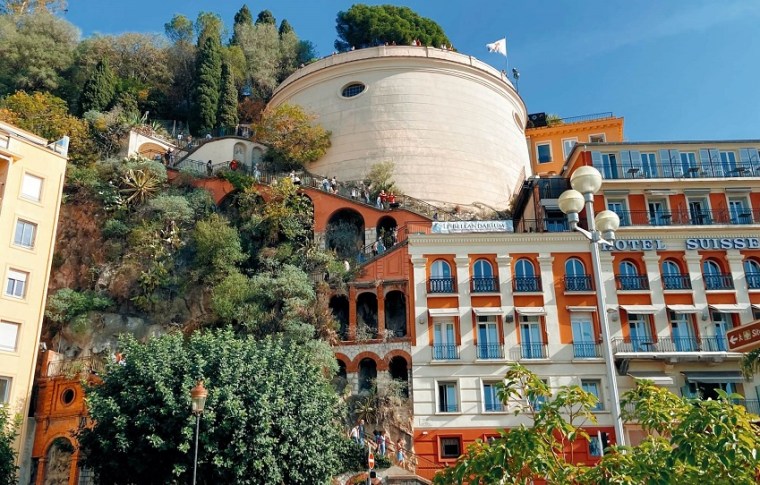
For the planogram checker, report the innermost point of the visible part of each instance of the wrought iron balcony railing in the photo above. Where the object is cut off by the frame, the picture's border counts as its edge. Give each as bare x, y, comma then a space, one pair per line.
632, 282
753, 280
678, 169
445, 352
441, 285
718, 281
578, 283
671, 344
533, 351
490, 351
676, 281
683, 217
526, 284
485, 285
586, 350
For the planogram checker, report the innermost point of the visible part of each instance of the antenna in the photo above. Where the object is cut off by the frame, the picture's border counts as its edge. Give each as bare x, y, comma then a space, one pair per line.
516, 77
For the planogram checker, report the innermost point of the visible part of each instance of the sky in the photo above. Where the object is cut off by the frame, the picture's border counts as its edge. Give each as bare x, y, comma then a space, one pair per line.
675, 69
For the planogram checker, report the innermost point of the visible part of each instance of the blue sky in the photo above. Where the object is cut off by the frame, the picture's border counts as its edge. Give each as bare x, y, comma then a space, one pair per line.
675, 69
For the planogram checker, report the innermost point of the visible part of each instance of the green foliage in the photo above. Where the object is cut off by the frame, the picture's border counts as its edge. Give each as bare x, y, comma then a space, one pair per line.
71, 307
8, 431
208, 74
366, 26
293, 137
243, 17
172, 208
179, 29
380, 177
751, 362
265, 17
115, 229
268, 405
208, 24
285, 28
217, 246
99, 90
689, 441
228, 117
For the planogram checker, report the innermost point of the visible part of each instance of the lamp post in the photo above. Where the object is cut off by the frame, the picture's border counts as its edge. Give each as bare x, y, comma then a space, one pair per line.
198, 396
586, 181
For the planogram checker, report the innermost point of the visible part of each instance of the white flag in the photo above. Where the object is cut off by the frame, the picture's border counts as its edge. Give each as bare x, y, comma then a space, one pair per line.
500, 46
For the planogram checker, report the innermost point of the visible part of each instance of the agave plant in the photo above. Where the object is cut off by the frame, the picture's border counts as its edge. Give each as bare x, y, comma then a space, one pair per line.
139, 185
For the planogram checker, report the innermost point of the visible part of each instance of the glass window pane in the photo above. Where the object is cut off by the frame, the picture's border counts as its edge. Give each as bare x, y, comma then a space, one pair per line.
8, 335
31, 187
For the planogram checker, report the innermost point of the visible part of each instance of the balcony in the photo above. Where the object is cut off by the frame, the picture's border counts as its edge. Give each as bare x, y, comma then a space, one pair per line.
636, 170
670, 345
546, 224
490, 351
586, 350
578, 283
632, 282
442, 285
683, 217
718, 281
74, 367
493, 406
751, 405
676, 281
485, 285
753, 280
527, 284
445, 352
533, 351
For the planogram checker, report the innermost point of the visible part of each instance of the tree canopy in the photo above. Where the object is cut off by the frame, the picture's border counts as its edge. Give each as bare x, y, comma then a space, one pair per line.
268, 404
293, 137
366, 26
688, 441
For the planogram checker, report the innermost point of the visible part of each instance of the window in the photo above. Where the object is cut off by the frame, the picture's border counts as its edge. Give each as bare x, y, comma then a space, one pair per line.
488, 338
440, 269
598, 443
16, 284
722, 323
596, 138
544, 152
447, 397
629, 277
738, 211
483, 281
699, 211
491, 401
31, 187
576, 278
567, 146
682, 329
531, 343
714, 278
526, 279
538, 401
353, 89
658, 213
8, 336
689, 165
618, 206
710, 159
444, 340
640, 332
451, 447
752, 273
25, 232
609, 166
440, 277
649, 165
584, 342
728, 162
594, 387
5, 389
670, 161
672, 278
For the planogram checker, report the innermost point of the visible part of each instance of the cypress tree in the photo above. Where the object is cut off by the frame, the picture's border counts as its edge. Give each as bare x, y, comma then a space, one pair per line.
99, 90
266, 17
208, 78
285, 27
228, 115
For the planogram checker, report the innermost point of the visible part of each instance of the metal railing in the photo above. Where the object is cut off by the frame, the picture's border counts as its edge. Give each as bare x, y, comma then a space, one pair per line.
671, 344
753, 280
553, 224
578, 283
490, 351
586, 350
441, 285
623, 169
533, 351
718, 281
485, 285
590, 117
751, 405
445, 352
684, 217
74, 367
526, 284
493, 406
676, 281
632, 282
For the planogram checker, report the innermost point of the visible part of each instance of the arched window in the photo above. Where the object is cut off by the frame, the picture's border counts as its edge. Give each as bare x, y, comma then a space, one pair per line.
483, 279
670, 268
752, 273
714, 277
576, 278
629, 278
440, 277
525, 276
710, 268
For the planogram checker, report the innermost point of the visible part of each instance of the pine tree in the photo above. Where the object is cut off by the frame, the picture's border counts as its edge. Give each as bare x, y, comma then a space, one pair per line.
228, 116
99, 90
209, 73
242, 18
266, 17
285, 27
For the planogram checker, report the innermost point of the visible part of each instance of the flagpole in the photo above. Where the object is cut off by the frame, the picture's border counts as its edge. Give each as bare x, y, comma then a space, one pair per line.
506, 55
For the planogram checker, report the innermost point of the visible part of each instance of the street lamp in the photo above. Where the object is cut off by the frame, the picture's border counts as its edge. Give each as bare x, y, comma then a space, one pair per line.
586, 181
198, 396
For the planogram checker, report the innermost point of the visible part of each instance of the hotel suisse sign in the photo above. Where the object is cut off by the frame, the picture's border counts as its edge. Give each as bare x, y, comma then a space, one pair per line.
692, 244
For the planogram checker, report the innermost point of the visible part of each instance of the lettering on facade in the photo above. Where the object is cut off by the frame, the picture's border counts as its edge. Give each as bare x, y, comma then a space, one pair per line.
635, 245
459, 227
723, 243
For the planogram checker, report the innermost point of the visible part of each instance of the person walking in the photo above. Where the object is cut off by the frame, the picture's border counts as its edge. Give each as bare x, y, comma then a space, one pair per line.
354, 434
362, 434
400, 453
209, 168
381, 443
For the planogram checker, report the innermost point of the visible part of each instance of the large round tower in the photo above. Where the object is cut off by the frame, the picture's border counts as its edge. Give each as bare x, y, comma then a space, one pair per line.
452, 125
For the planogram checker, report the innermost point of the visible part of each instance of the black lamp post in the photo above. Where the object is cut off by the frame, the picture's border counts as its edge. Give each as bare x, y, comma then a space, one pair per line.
198, 396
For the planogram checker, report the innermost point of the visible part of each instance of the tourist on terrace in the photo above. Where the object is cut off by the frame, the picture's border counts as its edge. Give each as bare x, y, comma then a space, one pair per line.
400, 455
209, 168
334, 185
325, 184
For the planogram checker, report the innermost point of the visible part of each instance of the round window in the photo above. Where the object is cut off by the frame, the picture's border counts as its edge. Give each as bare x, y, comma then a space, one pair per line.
353, 89
68, 396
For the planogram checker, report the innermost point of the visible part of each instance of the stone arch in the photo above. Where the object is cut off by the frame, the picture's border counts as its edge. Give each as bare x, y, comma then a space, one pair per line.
340, 379
367, 370
384, 230
366, 314
257, 155
58, 459
395, 313
240, 153
151, 150
381, 364
398, 368
339, 307
345, 233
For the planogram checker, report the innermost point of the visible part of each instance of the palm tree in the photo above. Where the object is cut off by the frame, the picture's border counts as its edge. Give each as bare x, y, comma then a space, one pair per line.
751, 363
139, 185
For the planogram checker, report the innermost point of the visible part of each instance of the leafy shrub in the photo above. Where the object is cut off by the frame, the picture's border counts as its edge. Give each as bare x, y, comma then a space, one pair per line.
67, 304
217, 245
172, 208
114, 228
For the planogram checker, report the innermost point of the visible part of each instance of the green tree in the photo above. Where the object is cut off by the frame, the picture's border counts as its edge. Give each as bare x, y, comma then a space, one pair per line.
689, 441
8, 432
285, 27
293, 137
181, 63
243, 17
179, 29
228, 116
209, 73
208, 24
268, 404
366, 26
217, 246
99, 90
266, 17
19, 7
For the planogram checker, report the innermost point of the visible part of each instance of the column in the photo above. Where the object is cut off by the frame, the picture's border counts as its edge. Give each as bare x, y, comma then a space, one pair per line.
380, 311
652, 264
504, 267
694, 265
551, 320
462, 262
351, 313
419, 313
736, 265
